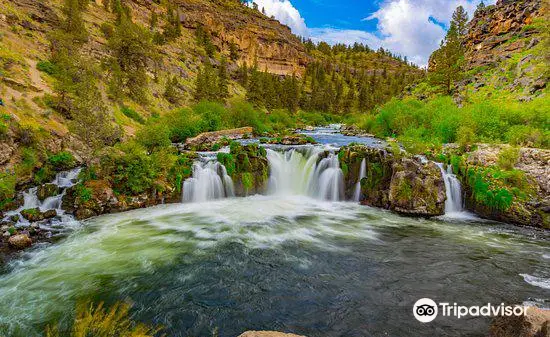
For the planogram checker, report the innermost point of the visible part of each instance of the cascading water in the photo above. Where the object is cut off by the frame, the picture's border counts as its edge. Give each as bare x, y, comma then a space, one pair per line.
210, 181
63, 180
453, 189
362, 174
302, 173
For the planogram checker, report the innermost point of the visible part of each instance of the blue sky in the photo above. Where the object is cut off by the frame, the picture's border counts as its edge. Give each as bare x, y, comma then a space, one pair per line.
412, 28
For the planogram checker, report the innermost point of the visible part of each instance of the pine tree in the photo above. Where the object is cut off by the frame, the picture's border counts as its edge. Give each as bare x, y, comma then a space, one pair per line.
233, 51
223, 80
460, 19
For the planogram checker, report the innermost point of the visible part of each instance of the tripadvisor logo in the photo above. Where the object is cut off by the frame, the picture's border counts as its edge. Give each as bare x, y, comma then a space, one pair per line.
426, 310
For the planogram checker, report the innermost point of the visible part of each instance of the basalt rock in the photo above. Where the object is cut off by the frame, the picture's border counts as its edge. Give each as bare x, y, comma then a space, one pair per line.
248, 167
535, 323
35, 214
20, 241
417, 188
47, 190
531, 207
497, 32
406, 185
208, 139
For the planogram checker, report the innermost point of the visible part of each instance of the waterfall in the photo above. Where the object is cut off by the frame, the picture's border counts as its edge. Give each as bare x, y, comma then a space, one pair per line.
453, 189
209, 181
64, 180
302, 173
362, 174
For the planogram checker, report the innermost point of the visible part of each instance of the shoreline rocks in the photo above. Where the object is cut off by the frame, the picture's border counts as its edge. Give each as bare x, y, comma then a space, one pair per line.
208, 139
268, 334
535, 323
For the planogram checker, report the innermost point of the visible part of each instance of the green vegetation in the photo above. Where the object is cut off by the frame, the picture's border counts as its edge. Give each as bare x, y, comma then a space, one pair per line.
7, 187
421, 125
98, 321
132, 114
62, 161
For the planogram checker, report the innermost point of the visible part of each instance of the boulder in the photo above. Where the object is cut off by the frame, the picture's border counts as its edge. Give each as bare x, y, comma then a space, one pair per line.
213, 137
417, 188
535, 323
267, 334
47, 190
34, 214
20, 241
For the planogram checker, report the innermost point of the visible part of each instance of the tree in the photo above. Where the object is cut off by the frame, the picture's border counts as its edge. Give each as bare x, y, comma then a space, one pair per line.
131, 49
460, 20
233, 51
206, 84
171, 90
223, 80
445, 63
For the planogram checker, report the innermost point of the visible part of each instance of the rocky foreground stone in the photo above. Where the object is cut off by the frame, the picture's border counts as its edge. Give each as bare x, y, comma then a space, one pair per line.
535, 323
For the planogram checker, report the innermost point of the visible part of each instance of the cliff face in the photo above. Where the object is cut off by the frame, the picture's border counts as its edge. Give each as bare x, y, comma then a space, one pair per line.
497, 32
259, 38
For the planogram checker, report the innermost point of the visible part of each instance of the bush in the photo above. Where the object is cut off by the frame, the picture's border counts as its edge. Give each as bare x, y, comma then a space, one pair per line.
131, 170
7, 186
182, 124
211, 114
131, 113
47, 67
154, 137
508, 158
62, 161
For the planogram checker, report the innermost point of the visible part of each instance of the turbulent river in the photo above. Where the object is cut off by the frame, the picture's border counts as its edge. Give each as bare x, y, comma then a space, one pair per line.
287, 261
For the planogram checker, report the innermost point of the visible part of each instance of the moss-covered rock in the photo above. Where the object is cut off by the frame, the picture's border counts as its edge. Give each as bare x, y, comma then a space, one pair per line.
47, 190
248, 167
417, 188
403, 184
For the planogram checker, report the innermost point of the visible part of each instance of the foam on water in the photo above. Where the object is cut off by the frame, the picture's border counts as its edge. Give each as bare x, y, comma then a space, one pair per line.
540, 282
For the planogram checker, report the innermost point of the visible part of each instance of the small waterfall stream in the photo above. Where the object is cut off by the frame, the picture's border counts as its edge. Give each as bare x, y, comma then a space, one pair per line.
63, 180
453, 189
210, 181
362, 174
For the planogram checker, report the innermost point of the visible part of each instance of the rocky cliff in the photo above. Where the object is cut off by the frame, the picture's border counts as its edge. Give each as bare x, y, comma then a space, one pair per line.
497, 32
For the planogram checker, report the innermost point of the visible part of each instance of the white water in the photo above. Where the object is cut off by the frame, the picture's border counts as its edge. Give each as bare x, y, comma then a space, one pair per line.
362, 174
64, 180
210, 181
453, 189
296, 173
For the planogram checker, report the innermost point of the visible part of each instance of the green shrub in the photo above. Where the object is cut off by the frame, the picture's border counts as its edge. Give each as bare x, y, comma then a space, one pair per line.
7, 186
83, 193
131, 170
131, 113
211, 114
47, 67
183, 124
154, 137
508, 158
62, 161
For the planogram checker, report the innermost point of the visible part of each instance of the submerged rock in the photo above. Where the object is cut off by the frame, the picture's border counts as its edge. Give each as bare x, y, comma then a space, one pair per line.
535, 323
20, 241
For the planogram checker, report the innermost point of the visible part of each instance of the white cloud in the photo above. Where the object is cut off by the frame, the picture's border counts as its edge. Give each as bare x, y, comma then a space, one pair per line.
346, 36
286, 13
404, 26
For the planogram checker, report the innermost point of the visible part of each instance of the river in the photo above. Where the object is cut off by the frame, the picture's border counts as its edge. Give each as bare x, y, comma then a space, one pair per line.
286, 261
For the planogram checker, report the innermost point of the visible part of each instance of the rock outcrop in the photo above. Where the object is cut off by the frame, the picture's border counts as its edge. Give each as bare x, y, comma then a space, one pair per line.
520, 195
207, 139
35, 214
408, 185
497, 32
535, 323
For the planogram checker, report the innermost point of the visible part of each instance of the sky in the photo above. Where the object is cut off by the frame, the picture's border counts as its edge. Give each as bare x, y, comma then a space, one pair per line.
411, 28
